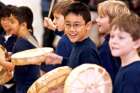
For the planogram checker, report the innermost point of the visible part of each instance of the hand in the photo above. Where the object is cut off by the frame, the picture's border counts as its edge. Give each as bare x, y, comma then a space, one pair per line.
8, 66
8, 56
53, 58
49, 24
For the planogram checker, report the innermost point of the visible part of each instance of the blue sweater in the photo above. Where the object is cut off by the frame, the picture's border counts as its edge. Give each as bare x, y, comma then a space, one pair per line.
128, 79
24, 75
82, 52
110, 63
63, 49
8, 44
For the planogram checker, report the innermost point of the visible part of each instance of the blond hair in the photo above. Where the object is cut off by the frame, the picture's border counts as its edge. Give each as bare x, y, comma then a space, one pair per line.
112, 8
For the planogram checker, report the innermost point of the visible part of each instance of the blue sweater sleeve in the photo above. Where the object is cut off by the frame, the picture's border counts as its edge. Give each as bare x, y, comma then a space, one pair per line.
60, 33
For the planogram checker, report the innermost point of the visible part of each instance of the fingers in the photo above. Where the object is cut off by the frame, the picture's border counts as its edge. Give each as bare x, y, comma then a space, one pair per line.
45, 22
48, 23
53, 58
9, 66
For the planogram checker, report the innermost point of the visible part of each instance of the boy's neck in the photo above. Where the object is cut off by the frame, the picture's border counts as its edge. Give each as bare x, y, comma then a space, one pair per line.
130, 58
102, 38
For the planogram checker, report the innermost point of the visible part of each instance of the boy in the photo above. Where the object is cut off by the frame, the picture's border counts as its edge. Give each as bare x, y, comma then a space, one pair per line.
6, 39
77, 27
64, 45
108, 10
124, 43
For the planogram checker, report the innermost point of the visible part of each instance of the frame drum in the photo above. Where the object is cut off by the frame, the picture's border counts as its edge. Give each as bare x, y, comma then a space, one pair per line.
88, 78
4, 75
51, 82
30, 55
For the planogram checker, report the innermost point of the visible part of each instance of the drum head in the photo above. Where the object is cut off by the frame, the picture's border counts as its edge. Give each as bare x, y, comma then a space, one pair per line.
4, 75
51, 82
24, 57
2, 52
88, 78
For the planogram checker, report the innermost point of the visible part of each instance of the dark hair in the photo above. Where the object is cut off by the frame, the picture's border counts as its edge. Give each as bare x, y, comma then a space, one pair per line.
79, 8
2, 5
26, 15
7, 10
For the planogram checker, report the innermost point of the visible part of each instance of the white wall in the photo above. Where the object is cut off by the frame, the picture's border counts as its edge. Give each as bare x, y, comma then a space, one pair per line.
35, 5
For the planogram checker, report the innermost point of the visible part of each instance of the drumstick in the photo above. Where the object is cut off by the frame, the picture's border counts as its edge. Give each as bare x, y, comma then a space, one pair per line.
51, 7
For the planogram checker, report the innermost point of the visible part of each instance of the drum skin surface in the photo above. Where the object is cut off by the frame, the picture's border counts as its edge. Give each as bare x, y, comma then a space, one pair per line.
51, 82
88, 78
5, 76
24, 57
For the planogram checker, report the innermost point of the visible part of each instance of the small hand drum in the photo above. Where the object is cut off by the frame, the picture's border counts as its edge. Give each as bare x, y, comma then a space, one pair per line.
28, 56
5, 76
51, 82
88, 78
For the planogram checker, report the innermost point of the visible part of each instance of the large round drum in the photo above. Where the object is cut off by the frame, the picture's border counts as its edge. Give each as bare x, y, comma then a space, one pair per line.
4, 75
88, 78
51, 82
31, 55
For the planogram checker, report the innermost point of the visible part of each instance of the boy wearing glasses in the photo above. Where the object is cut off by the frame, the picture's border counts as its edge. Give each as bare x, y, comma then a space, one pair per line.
77, 27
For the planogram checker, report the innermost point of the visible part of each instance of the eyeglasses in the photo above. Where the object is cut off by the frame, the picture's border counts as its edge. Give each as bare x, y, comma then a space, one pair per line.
75, 26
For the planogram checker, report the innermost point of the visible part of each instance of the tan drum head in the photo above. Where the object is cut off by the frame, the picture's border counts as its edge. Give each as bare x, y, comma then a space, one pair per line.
4, 75
88, 78
24, 57
2, 52
51, 82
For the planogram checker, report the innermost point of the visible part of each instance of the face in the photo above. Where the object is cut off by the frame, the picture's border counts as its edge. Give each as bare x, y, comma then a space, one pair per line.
121, 43
75, 28
5, 24
135, 3
14, 24
58, 21
103, 24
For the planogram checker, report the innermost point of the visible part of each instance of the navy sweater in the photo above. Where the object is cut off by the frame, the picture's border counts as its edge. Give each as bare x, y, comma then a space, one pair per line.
24, 75
128, 79
82, 52
9, 43
63, 49
110, 63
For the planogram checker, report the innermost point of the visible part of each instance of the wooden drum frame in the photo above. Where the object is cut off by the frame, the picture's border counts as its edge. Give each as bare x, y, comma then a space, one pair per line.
30, 55
88, 78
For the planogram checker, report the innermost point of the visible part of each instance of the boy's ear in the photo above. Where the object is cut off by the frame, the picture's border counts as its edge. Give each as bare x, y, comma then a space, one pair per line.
89, 25
24, 24
137, 43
